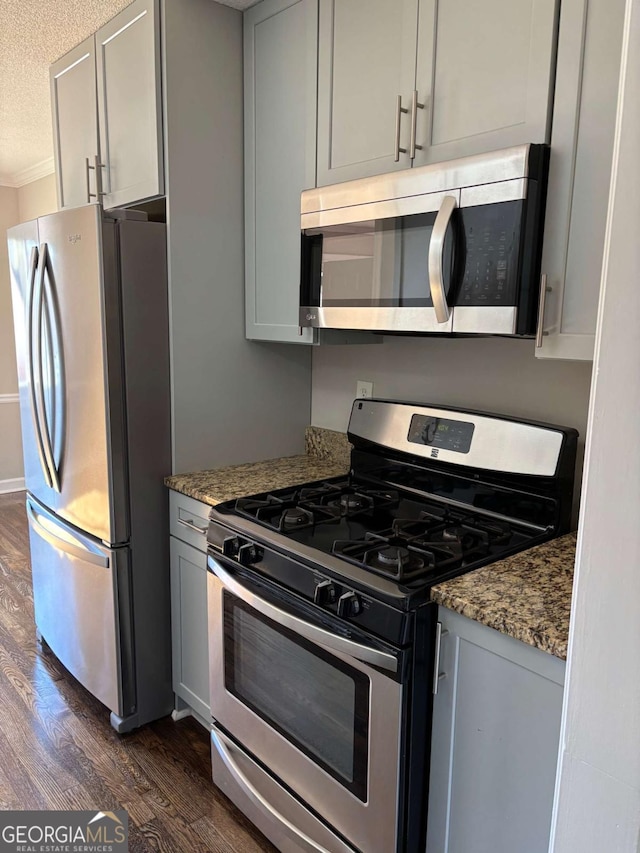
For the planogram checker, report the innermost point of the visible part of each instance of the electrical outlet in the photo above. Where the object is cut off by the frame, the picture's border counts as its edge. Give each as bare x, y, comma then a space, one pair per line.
364, 389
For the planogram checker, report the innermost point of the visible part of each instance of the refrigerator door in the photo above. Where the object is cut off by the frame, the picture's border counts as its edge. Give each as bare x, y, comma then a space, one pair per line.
68, 335
82, 606
23, 265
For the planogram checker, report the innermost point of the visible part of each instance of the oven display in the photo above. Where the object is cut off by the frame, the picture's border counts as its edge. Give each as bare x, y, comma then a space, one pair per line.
441, 433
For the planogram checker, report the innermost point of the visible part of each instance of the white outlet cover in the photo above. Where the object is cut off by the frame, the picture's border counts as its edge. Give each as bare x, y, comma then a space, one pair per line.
364, 389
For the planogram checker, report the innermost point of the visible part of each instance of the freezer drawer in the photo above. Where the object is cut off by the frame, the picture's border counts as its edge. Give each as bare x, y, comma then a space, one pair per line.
81, 594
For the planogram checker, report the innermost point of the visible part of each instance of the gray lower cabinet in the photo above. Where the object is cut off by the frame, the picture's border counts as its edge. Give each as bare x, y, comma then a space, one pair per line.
481, 75
496, 728
107, 113
188, 525
588, 67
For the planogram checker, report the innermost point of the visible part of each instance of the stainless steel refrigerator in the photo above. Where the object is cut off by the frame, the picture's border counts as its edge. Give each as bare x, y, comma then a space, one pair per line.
89, 292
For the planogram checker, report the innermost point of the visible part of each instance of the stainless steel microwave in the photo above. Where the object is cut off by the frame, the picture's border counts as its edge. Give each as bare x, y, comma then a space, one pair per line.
448, 248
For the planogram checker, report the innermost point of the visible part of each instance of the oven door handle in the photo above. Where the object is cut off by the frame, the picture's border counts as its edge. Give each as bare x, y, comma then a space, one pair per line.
224, 747
311, 632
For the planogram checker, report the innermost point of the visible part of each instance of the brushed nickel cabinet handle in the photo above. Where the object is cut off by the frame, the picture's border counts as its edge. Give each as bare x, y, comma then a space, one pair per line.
97, 165
415, 106
540, 332
399, 110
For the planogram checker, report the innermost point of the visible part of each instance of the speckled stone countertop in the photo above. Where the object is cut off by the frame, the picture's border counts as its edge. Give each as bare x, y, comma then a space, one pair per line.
327, 456
527, 596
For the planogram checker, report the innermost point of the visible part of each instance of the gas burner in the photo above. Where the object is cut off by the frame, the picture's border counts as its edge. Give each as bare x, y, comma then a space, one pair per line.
295, 517
386, 555
252, 507
393, 555
351, 502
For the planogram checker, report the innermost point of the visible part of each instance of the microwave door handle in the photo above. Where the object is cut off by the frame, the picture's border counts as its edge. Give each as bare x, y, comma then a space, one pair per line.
436, 258
311, 632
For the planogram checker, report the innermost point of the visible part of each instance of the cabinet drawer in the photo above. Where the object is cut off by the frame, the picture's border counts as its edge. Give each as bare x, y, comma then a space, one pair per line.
188, 520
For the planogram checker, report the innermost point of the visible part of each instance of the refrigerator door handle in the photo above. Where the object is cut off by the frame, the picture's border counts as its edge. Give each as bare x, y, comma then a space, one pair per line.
42, 411
33, 267
84, 550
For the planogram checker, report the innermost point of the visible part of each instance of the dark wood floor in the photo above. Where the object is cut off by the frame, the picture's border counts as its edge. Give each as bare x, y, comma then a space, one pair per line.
58, 751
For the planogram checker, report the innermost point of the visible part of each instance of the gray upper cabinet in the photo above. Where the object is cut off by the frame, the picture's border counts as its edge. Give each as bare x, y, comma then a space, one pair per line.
484, 74
107, 112
280, 74
589, 50
366, 60
75, 122
129, 104
423, 81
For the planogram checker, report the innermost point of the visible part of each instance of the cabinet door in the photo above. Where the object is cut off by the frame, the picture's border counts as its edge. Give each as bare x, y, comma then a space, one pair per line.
366, 58
280, 76
589, 50
75, 122
496, 731
129, 103
189, 637
490, 83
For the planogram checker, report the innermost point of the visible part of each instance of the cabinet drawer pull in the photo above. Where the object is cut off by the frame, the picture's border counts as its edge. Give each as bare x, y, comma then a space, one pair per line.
188, 522
415, 106
399, 110
540, 332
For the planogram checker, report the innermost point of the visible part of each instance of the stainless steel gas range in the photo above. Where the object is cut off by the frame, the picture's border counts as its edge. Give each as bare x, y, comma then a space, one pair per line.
323, 640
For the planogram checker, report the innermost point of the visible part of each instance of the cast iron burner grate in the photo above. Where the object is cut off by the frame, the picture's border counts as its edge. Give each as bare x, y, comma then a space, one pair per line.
308, 506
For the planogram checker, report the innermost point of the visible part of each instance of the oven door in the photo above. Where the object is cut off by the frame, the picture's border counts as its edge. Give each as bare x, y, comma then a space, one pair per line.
383, 266
322, 711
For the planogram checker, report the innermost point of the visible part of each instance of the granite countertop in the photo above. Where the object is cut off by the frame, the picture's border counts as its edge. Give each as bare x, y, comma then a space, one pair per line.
327, 456
527, 596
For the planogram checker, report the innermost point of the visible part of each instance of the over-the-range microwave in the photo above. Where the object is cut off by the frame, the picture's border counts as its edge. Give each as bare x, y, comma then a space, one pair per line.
448, 248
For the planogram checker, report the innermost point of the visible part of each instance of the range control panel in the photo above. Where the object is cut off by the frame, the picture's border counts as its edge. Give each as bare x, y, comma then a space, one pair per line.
332, 594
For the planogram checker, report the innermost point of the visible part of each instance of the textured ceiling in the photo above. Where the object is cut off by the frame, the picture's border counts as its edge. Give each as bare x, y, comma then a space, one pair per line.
33, 34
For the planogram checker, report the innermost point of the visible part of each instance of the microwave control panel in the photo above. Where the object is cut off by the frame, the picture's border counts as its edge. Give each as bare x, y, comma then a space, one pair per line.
492, 249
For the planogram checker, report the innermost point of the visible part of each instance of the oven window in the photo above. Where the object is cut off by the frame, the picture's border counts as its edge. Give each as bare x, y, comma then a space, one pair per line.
377, 263
319, 703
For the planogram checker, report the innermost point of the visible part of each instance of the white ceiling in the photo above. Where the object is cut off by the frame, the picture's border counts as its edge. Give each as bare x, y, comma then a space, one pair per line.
33, 34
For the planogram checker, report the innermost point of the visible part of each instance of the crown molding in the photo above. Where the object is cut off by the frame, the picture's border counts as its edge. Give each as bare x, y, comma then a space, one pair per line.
28, 175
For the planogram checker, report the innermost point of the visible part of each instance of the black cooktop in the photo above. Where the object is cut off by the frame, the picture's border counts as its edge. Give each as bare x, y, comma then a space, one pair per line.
387, 531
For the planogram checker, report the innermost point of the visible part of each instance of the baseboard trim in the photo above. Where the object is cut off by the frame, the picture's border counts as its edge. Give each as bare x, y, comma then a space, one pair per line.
15, 485
9, 398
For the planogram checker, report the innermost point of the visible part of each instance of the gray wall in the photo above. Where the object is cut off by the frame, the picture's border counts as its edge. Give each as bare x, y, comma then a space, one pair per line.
37, 198
493, 374
11, 468
233, 400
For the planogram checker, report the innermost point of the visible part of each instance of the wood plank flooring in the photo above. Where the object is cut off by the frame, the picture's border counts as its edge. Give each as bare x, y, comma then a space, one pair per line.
58, 751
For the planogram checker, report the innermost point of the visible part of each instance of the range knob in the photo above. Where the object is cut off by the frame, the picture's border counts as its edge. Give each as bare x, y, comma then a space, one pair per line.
324, 593
231, 546
249, 554
349, 604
